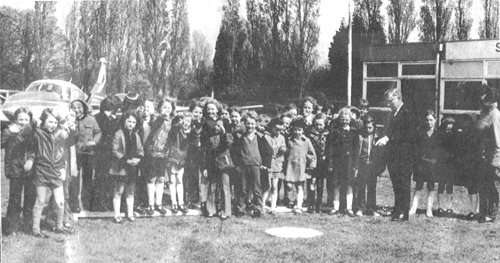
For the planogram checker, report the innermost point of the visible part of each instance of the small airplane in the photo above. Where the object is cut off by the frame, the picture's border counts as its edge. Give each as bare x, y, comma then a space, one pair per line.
58, 94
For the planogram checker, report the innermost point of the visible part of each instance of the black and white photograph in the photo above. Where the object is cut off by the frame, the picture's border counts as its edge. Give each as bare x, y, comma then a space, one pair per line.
249, 131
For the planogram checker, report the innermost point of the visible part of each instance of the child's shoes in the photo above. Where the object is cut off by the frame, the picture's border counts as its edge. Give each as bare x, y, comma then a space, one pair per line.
311, 209
150, 211
175, 209
471, 216
449, 213
161, 210
204, 210
131, 218
441, 212
183, 209
334, 212
65, 231
350, 213
429, 214
256, 213
39, 234
118, 220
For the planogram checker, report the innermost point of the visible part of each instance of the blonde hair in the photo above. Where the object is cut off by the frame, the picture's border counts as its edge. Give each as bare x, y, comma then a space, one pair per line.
345, 112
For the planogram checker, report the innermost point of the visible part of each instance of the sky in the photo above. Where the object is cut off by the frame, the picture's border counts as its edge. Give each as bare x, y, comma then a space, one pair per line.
205, 16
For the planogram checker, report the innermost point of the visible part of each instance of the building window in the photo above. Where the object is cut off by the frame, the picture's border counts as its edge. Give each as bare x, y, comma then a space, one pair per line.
382, 70
494, 68
462, 70
419, 69
419, 95
462, 95
375, 92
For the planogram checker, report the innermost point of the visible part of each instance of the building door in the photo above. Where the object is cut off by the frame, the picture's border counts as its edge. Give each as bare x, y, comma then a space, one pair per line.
419, 95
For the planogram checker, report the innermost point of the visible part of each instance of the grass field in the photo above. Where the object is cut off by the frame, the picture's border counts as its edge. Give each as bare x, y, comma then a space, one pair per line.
197, 239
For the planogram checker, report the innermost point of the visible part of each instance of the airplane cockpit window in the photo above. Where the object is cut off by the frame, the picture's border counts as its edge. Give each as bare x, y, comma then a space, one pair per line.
63, 92
75, 93
34, 86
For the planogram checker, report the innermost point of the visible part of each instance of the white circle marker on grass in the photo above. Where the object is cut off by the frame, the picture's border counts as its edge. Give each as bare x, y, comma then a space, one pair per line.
293, 232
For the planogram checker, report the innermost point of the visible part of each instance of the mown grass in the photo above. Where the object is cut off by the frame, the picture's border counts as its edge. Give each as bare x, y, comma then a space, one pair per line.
197, 239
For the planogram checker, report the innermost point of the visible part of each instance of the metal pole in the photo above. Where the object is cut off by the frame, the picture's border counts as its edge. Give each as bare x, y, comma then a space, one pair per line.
438, 81
349, 59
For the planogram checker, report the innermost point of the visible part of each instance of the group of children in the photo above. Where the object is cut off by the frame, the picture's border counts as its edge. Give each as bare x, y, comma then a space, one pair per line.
228, 161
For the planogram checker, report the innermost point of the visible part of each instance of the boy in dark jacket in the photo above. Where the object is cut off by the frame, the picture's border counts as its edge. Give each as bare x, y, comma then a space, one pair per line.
251, 153
108, 124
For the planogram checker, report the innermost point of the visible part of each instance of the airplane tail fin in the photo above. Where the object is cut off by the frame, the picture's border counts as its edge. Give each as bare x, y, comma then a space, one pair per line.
97, 94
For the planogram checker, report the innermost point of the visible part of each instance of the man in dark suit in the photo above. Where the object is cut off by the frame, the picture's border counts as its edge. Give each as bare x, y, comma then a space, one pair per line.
399, 158
488, 127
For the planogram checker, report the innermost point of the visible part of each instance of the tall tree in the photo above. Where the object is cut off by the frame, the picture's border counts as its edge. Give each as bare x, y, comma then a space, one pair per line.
126, 45
488, 27
304, 38
72, 41
337, 57
402, 20
11, 48
463, 20
155, 31
435, 20
278, 59
373, 23
275, 10
46, 33
178, 46
426, 25
106, 29
258, 27
83, 45
27, 43
225, 46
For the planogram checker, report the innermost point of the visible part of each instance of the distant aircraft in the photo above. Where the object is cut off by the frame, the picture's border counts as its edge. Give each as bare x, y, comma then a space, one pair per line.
58, 94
